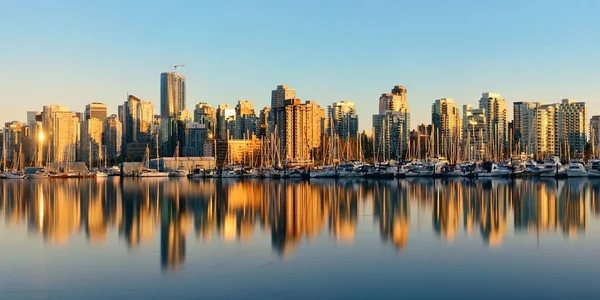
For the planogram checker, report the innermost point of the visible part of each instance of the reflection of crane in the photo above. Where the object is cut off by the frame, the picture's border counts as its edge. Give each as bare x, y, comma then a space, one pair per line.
175, 67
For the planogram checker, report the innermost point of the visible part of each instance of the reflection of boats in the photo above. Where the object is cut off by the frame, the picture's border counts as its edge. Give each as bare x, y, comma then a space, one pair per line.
576, 169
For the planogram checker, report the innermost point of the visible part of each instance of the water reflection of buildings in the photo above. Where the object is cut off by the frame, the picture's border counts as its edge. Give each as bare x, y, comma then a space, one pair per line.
552, 206
292, 212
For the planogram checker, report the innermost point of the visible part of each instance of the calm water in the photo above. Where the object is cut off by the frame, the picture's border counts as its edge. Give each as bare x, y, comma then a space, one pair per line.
348, 239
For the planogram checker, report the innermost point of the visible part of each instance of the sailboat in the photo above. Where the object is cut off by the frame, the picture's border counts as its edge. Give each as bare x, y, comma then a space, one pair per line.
147, 172
181, 171
102, 173
41, 172
17, 173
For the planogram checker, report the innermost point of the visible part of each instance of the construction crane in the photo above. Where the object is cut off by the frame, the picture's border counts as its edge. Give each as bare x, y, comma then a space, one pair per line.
175, 67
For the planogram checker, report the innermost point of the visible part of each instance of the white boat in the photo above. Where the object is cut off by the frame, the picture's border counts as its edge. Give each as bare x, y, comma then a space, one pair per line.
551, 168
101, 174
38, 175
150, 173
326, 172
230, 174
594, 170
421, 171
446, 170
179, 172
493, 170
145, 173
576, 169
114, 171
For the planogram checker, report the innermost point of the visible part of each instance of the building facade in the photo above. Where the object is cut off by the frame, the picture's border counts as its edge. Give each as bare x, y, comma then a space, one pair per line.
595, 135
496, 131
196, 135
48, 129
172, 94
474, 126
113, 137
91, 148
205, 114
278, 98
96, 110
229, 152
138, 126
447, 126
300, 132
571, 123
343, 120
538, 129
392, 125
65, 136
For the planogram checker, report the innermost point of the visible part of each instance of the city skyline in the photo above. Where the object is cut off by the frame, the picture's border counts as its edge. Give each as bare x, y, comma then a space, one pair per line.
345, 63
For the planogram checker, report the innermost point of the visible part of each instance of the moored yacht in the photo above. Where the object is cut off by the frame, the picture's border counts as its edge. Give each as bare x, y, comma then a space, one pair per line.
493, 170
179, 172
576, 169
594, 170
552, 167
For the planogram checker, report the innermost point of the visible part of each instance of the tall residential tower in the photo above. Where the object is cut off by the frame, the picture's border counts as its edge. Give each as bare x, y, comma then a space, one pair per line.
172, 94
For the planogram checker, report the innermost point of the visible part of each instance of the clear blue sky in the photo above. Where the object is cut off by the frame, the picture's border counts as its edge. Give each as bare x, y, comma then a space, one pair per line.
73, 53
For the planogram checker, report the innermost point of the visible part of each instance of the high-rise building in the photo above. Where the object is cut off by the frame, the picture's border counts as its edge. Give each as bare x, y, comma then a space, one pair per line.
343, 120
263, 122
225, 121
474, 126
395, 101
34, 123
205, 114
172, 94
538, 129
518, 109
184, 116
447, 126
392, 125
572, 125
246, 121
138, 126
595, 135
65, 136
300, 132
195, 136
112, 137
48, 129
389, 134
278, 97
96, 110
495, 133
13, 137
90, 147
